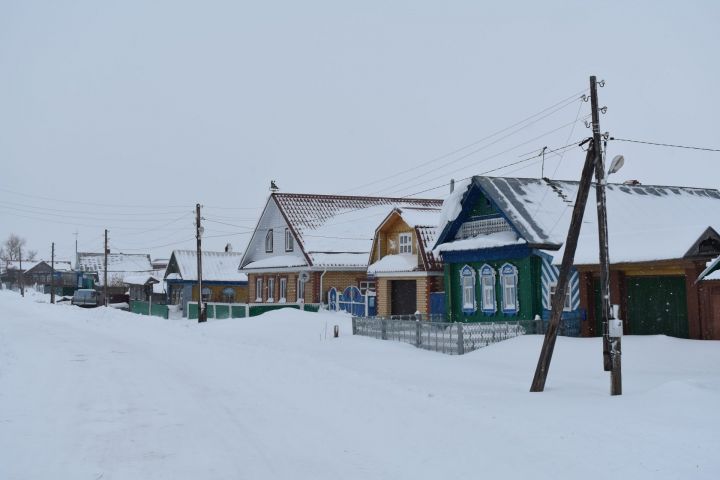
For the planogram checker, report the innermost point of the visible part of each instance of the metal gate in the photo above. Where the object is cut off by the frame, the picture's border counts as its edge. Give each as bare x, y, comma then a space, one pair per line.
352, 300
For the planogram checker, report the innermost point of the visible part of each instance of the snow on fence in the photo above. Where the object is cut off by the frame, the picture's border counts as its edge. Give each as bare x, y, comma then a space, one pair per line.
242, 310
445, 337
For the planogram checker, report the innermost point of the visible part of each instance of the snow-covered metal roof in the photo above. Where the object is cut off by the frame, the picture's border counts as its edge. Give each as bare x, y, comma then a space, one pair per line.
216, 266
337, 231
60, 265
645, 222
119, 265
394, 263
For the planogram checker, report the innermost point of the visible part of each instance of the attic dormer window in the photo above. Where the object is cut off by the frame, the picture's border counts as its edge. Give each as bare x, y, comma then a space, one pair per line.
269, 241
406, 243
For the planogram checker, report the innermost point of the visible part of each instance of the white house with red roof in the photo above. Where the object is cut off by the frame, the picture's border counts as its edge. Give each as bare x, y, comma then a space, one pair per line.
304, 245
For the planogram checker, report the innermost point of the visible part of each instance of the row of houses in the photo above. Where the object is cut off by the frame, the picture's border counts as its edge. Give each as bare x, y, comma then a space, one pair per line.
488, 252
491, 252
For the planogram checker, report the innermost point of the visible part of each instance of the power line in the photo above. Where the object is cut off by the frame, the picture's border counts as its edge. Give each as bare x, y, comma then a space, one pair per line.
94, 204
487, 171
472, 152
486, 158
665, 144
566, 101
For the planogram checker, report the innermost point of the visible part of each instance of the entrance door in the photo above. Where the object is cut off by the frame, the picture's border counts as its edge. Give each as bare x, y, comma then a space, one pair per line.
403, 297
657, 305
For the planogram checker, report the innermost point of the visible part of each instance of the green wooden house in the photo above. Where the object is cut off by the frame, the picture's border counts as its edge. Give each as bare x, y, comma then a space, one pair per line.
502, 243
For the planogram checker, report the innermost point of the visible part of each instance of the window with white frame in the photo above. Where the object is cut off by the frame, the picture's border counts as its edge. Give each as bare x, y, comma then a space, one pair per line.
271, 290
283, 290
258, 290
366, 285
269, 241
300, 290
508, 284
288, 240
567, 306
467, 283
406, 243
487, 286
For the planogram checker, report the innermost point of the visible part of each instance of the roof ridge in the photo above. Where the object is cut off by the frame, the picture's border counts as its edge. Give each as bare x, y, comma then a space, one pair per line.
355, 197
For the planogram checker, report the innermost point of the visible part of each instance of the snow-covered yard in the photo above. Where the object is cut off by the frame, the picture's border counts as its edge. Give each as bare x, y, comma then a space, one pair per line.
101, 393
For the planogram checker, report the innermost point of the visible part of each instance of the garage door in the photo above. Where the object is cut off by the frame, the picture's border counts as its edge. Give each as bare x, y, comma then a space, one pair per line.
657, 305
403, 296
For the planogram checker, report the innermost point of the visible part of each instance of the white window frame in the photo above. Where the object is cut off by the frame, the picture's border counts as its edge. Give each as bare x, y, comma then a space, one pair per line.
289, 244
487, 287
258, 289
467, 288
283, 290
271, 290
300, 290
405, 243
567, 306
366, 285
269, 241
509, 287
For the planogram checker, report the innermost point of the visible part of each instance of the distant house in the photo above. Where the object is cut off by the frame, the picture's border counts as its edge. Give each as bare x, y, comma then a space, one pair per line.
503, 241
38, 272
221, 280
402, 262
119, 266
146, 287
327, 236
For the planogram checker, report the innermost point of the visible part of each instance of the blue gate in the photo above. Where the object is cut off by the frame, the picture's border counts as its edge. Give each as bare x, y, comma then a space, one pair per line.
352, 301
437, 303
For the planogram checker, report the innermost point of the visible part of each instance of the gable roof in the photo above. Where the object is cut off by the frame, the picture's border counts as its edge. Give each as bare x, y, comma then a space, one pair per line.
118, 265
645, 222
216, 266
424, 221
335, 231
60, 265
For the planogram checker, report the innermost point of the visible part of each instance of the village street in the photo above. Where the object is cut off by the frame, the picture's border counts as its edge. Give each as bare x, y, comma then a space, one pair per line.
100, 393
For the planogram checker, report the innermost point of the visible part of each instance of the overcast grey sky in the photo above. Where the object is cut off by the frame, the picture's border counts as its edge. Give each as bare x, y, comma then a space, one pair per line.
125, 114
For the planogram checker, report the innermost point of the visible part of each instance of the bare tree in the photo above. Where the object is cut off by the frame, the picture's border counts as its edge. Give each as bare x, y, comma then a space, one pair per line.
30, 255
12, 247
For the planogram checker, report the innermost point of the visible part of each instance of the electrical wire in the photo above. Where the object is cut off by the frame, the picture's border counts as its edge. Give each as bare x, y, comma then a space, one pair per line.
567, 101
489, 157
705, 149
472, 152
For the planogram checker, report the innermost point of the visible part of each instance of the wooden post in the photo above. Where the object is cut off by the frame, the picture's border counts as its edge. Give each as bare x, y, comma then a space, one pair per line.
558, 300
52, 274
606, 309
105, 289
22, 277
202, 312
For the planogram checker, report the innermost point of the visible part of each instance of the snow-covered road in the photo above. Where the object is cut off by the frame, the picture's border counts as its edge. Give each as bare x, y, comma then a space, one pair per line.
107, 394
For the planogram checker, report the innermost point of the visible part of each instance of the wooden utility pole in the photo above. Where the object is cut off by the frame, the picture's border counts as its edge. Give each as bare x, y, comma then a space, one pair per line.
105, 281
611, 345
52, 274
602, 226
22, 277
202, 313
558, 300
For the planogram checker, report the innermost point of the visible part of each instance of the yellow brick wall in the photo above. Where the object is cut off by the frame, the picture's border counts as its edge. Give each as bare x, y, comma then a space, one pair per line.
241, 293
339, 280
423, 287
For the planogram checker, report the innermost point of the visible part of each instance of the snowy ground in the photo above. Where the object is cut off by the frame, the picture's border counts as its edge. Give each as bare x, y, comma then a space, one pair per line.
101, 393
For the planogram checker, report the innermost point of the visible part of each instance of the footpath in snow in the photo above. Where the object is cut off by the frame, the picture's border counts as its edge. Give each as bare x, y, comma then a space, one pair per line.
105, 394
